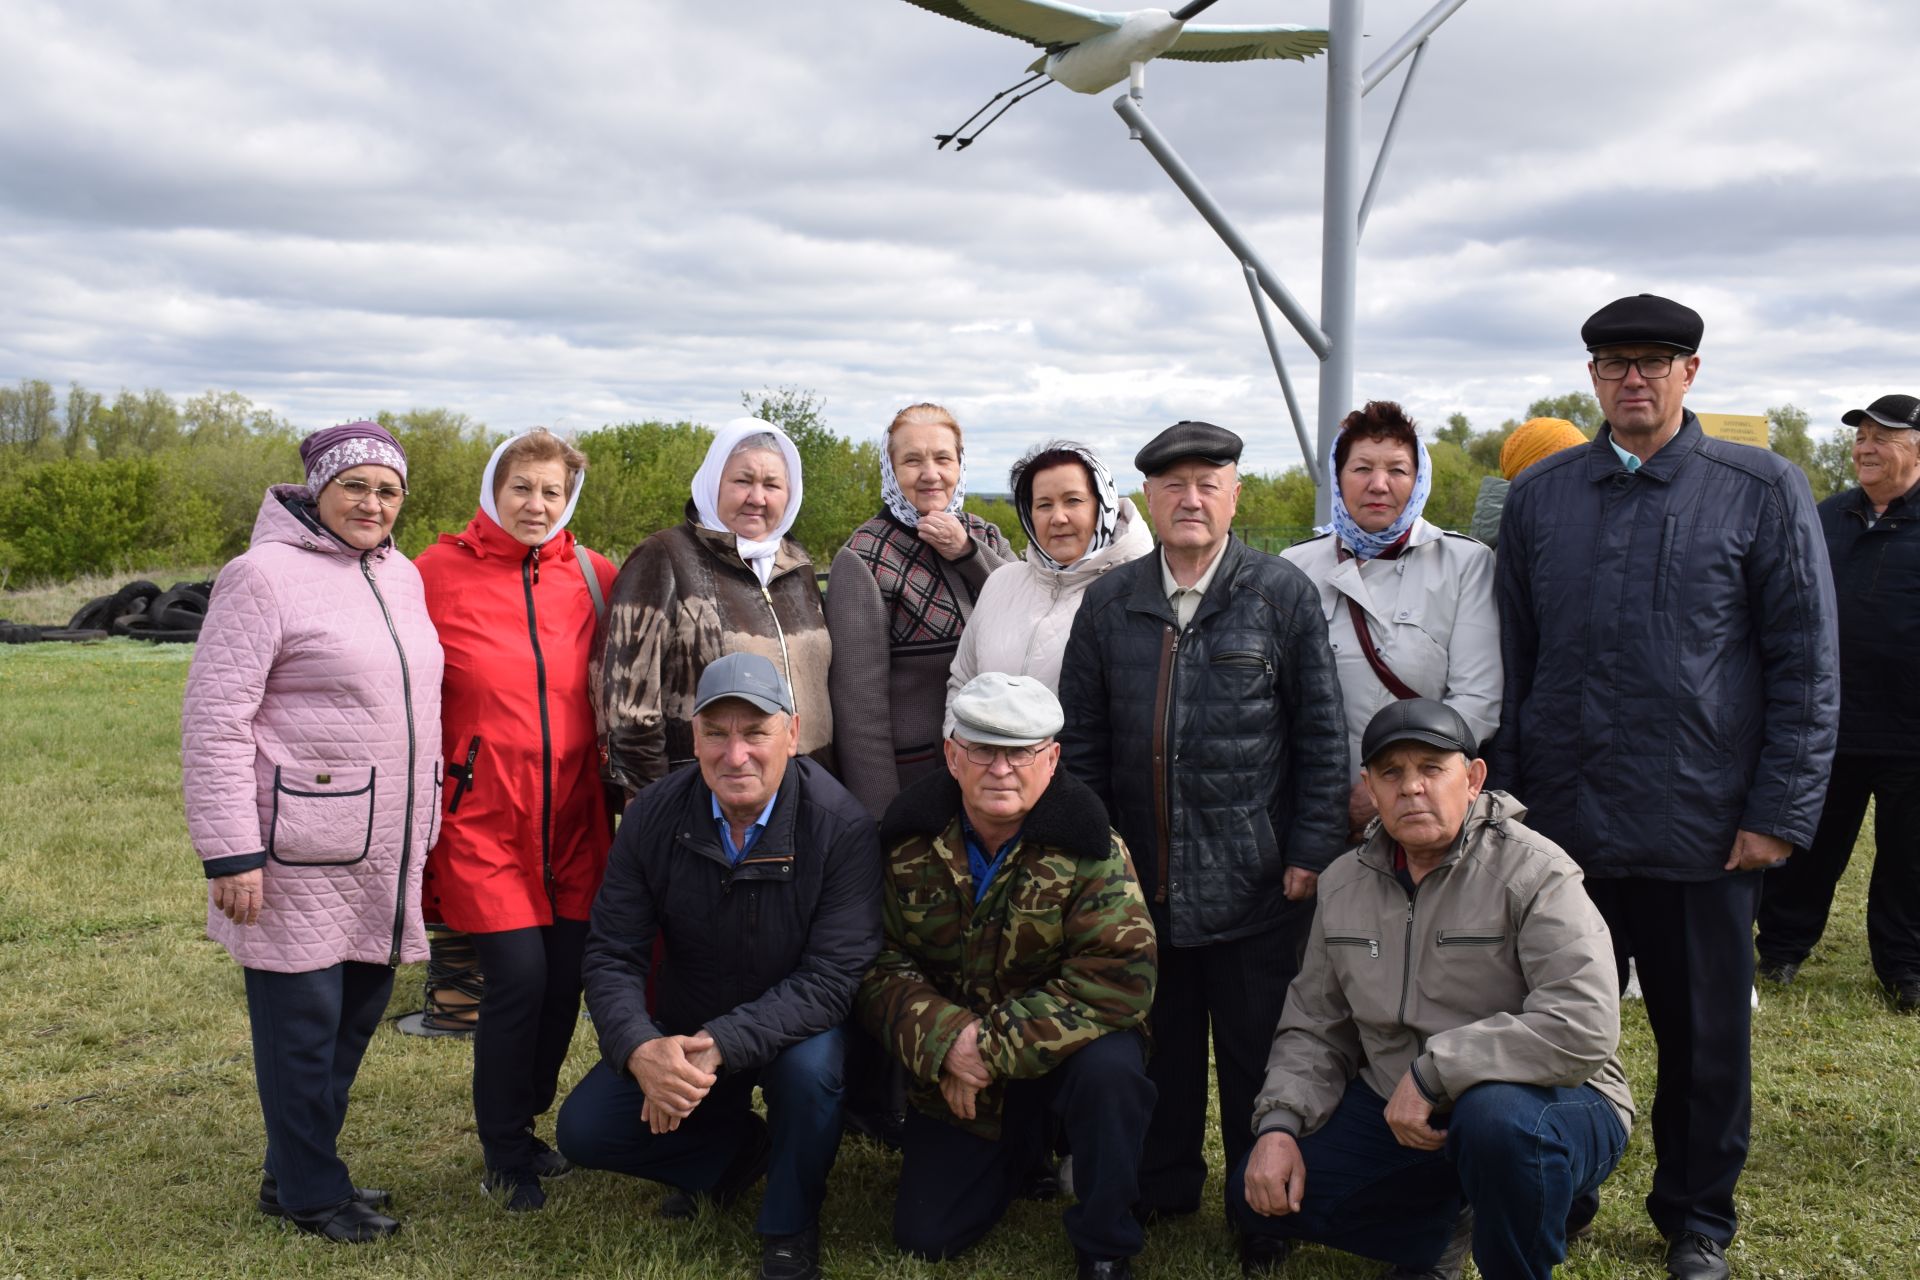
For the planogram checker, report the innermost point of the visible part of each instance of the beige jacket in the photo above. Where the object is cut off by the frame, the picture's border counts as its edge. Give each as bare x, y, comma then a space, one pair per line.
1498, 968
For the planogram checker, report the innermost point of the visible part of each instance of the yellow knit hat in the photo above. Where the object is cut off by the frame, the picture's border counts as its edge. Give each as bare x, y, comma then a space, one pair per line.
1534, 439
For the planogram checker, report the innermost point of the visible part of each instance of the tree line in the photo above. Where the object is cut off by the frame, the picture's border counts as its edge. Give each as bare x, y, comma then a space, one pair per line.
92, 485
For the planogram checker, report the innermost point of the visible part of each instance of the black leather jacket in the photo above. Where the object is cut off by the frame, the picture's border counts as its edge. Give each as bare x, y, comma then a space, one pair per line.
1220, 751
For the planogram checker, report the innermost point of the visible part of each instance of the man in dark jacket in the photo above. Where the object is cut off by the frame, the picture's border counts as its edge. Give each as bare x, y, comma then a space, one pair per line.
1667, 624
1873, 541
1202, 707
763, 876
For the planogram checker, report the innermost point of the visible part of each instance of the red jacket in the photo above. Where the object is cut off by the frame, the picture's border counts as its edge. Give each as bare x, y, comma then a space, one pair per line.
525, 832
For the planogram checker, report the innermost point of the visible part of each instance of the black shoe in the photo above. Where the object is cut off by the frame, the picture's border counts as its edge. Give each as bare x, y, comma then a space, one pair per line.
1580, 1216
747, 1168
1906, 996
1263, 1255
1780, 973
1452, 1260
887, 1128
549, 1164
1092, 1268
1042, 1181
372, 1197
348, 1222
794, 1257
521, 1187
1691, 1256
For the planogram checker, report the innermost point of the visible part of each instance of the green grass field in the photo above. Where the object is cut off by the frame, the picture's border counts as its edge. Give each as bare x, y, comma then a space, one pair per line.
130, 1136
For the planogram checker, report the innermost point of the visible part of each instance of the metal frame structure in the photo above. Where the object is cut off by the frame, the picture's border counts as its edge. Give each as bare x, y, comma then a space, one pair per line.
1344, 209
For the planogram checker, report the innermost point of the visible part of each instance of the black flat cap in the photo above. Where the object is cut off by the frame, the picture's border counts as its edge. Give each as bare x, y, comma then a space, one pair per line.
1888, 411
1645, 317
1199, 440
1417, 720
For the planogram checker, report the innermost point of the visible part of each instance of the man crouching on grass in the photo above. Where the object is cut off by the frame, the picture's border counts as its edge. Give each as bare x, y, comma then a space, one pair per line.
763, 875
1017, 969
1445, 1068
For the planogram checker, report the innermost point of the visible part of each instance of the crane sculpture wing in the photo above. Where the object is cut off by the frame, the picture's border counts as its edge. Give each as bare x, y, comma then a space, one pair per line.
1239, 44
1038, 22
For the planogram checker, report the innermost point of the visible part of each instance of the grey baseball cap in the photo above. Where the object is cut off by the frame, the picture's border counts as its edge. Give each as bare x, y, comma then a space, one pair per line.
998, 710
746, 676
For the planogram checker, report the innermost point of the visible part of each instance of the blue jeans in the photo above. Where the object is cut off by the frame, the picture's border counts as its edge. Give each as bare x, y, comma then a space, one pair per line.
600, 1128
310, 1031
1519, 1154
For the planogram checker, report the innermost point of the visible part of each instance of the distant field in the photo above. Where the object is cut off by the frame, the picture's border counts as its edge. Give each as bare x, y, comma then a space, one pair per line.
130, 1136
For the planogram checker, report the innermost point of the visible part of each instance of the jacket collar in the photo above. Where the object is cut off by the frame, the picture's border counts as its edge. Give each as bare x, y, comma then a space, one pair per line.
486, 539
1149, 596
722, 545
773, 853
288, 515
1067, 816
1603, 464
1901, 508
1489, 808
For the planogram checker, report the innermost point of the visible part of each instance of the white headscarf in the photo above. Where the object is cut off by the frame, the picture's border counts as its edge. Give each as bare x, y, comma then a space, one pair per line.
706, 491
488, 505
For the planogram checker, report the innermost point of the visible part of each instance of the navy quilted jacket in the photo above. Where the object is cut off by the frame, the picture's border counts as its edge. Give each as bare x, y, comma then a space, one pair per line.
1671, 669
1876, 577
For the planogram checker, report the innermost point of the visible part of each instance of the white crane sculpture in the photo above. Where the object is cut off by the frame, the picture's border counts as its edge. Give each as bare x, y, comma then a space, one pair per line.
1089, 51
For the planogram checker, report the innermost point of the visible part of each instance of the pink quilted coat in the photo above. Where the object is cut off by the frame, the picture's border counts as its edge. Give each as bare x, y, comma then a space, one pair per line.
310, 743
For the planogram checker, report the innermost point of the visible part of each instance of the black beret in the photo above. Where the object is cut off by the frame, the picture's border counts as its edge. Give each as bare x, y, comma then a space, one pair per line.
1643, 318
1888, 411
1417, 720
1201, 440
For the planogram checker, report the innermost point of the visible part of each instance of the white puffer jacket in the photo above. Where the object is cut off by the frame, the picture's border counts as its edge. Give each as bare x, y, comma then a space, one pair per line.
1023, 616
1432, 618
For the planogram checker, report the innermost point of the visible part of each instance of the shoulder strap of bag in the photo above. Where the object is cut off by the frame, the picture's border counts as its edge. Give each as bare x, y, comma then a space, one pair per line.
1395, 685
593, 581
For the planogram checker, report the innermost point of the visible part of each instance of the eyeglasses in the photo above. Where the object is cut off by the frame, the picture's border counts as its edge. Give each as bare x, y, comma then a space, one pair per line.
387, 495
1614, 368
1018, 757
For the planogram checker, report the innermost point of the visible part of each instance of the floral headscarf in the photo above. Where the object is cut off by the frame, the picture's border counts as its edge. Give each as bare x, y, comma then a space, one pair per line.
1106, 496
1364, 545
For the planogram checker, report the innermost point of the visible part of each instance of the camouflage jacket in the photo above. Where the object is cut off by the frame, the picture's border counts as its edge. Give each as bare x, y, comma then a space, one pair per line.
1060, 952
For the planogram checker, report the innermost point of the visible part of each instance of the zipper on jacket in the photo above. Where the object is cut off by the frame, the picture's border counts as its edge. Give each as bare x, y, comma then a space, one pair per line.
1406, 959
406, 696
780, 631
530, 574
1163, 748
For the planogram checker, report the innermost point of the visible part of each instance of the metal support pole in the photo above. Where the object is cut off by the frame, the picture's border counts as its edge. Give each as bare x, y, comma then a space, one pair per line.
1406, 44
1183, 177
1340, 228
1280, 370
1386, 143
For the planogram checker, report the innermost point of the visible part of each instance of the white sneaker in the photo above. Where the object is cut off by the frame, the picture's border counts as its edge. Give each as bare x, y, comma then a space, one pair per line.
1632, 990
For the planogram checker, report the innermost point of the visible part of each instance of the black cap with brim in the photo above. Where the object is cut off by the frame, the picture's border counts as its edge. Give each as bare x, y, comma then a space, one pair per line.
1200, 441
1888, 411
1644, 318
1417, 720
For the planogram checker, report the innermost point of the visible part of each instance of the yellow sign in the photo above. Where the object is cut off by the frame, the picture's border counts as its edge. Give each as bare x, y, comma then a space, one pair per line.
1741, 428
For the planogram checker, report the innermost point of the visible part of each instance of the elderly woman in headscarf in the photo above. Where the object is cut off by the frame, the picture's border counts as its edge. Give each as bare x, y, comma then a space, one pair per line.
899, 597
728, 580
1409, 606
523, 842
310, 754
1078, 528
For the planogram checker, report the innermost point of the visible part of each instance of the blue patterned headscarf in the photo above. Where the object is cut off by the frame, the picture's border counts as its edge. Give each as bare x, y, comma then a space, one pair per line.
1364, 545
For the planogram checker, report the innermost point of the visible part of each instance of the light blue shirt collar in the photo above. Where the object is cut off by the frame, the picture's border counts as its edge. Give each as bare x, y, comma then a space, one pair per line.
753, 832
1630, 461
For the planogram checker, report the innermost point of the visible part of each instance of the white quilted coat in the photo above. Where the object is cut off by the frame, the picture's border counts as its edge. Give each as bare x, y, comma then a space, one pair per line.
1025, 612
310, 743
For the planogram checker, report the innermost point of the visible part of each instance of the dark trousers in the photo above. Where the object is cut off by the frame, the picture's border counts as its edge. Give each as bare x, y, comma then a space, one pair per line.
1235, 990
600, 1128
1797, 896
955, 1185
528, 1010
310, 1031
1519, 1154
1693, 941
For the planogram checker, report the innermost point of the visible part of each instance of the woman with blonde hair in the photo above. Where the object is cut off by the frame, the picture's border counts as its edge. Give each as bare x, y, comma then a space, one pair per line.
898, 598
523, 841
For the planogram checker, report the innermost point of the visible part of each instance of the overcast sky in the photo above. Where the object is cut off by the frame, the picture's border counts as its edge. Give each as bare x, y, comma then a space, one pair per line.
580, 213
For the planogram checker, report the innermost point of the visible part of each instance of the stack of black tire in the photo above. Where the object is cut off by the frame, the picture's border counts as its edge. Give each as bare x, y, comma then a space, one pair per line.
139, 609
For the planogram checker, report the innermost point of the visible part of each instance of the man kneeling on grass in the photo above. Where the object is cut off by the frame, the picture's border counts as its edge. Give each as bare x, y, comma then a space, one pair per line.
763, 875
1444, 1071
1017, 970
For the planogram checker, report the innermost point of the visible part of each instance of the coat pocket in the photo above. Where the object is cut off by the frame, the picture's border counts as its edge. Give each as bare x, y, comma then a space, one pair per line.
321, 817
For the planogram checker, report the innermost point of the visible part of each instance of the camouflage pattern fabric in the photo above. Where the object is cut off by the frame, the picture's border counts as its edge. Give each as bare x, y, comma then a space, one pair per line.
1059, 952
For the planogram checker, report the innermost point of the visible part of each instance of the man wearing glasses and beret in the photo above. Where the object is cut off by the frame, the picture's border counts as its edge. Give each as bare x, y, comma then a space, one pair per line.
1018, 966
1667, 625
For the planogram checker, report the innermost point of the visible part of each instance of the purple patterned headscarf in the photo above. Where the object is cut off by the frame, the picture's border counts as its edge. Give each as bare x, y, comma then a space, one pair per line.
327, 453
